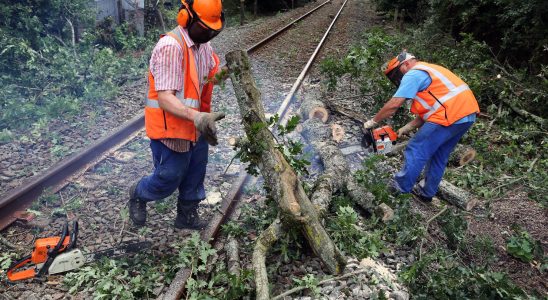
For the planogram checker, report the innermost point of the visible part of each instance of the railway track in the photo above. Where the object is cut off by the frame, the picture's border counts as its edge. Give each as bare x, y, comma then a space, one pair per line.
108, 157
14, 203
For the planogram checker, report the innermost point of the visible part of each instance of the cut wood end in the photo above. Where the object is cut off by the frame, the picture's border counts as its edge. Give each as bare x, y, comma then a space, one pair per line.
338, 132
467, 157
233, 141
319, 113
471, 204
386, 212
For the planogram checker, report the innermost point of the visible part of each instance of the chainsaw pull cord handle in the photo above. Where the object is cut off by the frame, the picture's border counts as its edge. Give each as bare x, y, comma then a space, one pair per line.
54, 252
73, 236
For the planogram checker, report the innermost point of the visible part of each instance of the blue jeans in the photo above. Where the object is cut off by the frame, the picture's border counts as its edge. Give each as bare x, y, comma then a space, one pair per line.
430, 147
175, 170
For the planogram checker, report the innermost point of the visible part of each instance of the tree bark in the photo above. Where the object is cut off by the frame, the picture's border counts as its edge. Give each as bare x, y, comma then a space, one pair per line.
456, 196
242, 12
266, 239
336, 176
284, 185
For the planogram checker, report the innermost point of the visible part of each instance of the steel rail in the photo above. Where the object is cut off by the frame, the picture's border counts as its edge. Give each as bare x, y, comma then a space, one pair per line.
22, 197
283, 107
177, 287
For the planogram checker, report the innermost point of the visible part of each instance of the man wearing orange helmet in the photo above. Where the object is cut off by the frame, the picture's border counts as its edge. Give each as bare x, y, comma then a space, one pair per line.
445, 107
178, 120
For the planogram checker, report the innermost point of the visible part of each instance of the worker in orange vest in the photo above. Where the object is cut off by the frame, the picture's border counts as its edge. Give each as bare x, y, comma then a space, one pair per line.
183, 69
445, 107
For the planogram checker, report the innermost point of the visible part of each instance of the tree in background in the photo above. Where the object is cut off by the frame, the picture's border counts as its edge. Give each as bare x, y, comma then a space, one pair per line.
516, 31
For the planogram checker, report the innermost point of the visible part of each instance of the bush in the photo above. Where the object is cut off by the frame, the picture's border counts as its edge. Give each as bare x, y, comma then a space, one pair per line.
515, 30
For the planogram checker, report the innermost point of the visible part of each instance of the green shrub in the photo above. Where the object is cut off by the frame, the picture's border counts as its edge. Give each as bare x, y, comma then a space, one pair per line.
522, 246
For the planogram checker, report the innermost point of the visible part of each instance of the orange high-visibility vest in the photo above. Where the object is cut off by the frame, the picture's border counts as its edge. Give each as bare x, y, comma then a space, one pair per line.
446, 100
161, 124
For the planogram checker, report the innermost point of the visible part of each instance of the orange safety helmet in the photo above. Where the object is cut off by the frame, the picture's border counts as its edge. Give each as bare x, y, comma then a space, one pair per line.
392, 68
204, 19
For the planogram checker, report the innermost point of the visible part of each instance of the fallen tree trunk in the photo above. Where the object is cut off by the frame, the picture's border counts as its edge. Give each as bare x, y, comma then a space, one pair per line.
336, 176
284, 185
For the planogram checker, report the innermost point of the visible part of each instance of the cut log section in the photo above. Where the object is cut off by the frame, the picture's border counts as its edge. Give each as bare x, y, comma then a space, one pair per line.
284, 185
385, 211
456, 196
462, 155
233, 256
311, 108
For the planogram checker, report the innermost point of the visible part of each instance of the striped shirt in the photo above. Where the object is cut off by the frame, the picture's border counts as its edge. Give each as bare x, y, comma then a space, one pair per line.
166, 65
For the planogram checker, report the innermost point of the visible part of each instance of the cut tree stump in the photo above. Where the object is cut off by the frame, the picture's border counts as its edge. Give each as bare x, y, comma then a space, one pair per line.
462, 155
285, 188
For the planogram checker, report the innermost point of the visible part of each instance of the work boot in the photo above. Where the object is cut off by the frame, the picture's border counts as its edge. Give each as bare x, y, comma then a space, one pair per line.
187, 216
417, 192
137, 207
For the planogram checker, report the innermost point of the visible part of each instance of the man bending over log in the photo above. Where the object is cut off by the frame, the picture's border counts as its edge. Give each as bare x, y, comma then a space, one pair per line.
445, 107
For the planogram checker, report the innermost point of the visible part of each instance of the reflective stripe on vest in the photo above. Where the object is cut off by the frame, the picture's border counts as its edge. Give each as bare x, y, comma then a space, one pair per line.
453, 91
186, 102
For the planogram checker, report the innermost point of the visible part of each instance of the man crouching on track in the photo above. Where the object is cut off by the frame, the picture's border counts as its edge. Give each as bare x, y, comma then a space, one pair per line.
445, 107
178, 121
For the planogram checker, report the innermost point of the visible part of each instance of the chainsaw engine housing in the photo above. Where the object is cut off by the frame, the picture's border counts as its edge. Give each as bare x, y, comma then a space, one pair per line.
382, 139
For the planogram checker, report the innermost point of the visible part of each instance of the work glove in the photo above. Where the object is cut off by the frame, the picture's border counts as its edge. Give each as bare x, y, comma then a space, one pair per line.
370, 124
405, 129
205, 123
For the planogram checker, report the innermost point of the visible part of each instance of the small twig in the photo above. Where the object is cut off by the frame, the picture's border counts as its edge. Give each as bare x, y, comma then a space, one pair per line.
300, 288
229, 164
533, 163
508, 183
427, 225
9, 244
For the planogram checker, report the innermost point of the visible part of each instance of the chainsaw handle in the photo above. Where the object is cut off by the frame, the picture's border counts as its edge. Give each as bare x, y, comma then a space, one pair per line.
26, 274
64, 234
73, 236
54, 252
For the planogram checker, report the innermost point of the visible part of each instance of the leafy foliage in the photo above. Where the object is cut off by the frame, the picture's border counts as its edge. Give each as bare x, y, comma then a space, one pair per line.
310, 282
250, 150
49, 73
353, 239
516, 30
522, 246
439, 275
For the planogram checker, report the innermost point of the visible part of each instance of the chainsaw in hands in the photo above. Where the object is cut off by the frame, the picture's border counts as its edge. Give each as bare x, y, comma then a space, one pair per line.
382, 139
54, 255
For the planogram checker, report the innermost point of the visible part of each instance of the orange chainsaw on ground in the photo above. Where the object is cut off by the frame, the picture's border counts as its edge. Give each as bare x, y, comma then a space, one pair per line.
51, 255
382, 139
54, 255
